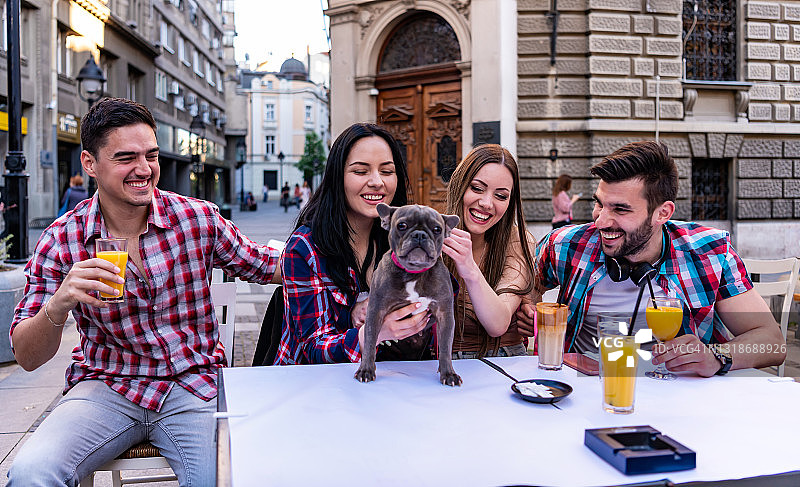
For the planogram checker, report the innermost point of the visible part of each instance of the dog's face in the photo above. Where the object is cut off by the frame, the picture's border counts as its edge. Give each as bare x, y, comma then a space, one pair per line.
416, 233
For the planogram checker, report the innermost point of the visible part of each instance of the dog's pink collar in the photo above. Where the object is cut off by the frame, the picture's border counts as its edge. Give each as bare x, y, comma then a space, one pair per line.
397, 263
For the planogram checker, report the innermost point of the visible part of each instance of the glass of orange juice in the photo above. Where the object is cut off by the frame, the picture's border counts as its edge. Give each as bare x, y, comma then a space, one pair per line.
619, 361
664, 317
114, 250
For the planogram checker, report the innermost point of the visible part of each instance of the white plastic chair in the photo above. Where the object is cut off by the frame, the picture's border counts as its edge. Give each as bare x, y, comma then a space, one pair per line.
145, 456
782, 282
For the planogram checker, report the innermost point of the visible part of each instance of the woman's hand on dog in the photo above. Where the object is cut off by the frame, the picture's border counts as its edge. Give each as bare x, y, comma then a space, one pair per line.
458, 246
359, 313
400, 324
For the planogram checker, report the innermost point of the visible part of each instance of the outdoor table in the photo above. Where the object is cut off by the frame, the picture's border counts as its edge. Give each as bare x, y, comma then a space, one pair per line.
316, 425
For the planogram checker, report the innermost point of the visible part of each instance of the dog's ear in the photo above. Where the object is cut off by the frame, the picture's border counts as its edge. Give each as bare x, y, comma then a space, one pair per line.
450, 222
385, 212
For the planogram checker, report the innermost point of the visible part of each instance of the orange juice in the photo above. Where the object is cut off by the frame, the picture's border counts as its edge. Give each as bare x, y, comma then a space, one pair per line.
664, 321
618, 372
119, 259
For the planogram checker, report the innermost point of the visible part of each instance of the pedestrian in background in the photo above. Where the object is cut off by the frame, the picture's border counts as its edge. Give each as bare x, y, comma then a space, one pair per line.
305, 194
285, 196
562, 203
265, 191
73, 195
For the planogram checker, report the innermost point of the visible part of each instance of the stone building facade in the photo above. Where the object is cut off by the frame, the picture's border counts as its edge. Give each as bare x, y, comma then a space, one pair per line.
736, 140
728, 98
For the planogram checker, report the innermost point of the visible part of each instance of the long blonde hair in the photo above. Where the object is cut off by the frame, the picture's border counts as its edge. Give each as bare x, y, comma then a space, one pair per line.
499, 235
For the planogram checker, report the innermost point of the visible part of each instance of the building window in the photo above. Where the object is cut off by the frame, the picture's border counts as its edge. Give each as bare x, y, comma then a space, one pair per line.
219, 81
269, 112
63, 55
269, 147
309, 117
134, 91
205, 29
710, 189
198, 70
164, 36
209, 73
161, 85
182, 50
711, 45
269, 84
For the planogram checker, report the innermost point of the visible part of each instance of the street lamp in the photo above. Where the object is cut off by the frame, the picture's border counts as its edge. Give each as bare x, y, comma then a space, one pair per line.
198, 129
16, 179
241, 160
281, 157
90, 82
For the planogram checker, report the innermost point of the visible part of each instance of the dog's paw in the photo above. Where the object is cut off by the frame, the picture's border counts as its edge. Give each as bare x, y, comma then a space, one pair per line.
450, 379
366, 374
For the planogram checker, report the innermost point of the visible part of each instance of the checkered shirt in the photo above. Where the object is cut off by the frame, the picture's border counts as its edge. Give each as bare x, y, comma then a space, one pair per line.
316, 316
700, 268
165, 332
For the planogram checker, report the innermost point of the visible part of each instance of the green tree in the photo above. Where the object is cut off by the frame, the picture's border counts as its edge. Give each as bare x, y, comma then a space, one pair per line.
313, 160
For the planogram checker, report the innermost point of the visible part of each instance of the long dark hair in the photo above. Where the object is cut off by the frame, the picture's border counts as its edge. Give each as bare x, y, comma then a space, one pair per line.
326, 211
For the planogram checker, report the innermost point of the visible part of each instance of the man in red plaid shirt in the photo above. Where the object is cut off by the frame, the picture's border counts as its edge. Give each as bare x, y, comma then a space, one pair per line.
145, 368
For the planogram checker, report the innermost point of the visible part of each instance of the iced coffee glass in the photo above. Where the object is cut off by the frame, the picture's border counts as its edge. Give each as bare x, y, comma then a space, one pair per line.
551, 326
619, 361
114, 250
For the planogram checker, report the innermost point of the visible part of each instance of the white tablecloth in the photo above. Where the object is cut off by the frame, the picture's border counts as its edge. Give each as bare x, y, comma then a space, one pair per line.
316, 425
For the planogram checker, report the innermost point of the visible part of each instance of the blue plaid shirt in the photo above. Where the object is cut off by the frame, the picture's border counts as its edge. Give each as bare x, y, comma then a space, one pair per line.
700, 268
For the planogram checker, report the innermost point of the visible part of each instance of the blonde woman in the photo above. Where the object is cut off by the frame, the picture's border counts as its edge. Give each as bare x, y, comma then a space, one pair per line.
490, 253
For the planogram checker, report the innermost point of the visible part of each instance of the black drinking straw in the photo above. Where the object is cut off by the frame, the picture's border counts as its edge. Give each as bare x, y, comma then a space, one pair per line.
562, 295
636, 309
652, 294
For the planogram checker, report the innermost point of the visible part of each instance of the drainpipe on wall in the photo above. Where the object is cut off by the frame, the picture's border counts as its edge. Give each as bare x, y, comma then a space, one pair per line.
552, 15
53, 106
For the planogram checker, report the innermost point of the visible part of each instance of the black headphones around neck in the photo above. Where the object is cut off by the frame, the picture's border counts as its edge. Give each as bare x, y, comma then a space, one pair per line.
619, 268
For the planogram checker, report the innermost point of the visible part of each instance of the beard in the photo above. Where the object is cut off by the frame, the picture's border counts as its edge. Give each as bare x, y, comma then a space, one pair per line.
632, 243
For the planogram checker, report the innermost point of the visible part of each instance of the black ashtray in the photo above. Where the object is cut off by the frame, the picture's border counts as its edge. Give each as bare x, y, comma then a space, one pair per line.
639, 449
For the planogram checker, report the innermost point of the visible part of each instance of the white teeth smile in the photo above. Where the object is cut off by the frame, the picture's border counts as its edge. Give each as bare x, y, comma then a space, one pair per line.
479, 216
610, 236
372, 197
138, 184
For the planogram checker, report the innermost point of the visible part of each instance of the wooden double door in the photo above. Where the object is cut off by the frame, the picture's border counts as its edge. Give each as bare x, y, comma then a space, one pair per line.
426, 121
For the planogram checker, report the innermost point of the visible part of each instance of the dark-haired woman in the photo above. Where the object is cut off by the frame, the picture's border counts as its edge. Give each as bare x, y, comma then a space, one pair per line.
329, 259
562, 202
490, 252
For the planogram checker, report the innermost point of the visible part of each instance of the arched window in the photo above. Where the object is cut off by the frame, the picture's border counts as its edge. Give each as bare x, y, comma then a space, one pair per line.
422, 40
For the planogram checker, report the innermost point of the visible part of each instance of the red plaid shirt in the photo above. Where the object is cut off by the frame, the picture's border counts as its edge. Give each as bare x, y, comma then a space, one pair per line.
165, 332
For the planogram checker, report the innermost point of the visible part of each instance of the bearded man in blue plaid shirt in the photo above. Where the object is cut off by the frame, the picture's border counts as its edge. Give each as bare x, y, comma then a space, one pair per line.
633, 204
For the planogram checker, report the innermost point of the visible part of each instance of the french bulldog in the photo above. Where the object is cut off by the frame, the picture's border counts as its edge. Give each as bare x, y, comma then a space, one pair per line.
412, 271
